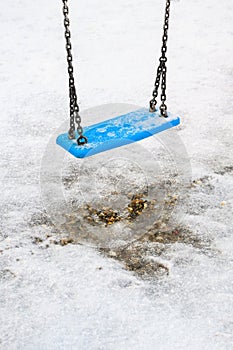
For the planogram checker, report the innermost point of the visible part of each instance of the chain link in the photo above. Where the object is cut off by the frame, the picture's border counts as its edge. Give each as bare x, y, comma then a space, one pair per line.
161, 76
74, 107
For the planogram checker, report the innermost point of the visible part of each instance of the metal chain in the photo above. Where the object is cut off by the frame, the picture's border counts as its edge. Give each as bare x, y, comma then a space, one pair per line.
74, 108
162, 69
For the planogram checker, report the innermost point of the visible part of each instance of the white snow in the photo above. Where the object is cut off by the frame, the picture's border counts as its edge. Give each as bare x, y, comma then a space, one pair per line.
72, 297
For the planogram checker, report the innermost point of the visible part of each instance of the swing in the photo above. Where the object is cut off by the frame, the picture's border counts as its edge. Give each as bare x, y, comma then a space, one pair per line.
121, 130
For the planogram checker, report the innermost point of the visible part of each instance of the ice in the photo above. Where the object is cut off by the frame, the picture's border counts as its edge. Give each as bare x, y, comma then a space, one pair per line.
111, 134
101, 129
73, 297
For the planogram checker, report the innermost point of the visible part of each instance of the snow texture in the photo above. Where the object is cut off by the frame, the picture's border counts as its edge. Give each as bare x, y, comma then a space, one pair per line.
72, 297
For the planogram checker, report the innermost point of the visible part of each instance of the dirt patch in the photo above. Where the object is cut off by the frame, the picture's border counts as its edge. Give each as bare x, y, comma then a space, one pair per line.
142, 256
109, 216
226, 170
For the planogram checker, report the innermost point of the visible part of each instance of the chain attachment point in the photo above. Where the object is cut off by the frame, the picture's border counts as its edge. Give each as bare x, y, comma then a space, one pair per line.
82, 140
152, 106
163, 110
71, 134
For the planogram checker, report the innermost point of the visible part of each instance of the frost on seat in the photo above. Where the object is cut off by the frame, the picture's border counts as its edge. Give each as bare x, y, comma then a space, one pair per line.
117, 132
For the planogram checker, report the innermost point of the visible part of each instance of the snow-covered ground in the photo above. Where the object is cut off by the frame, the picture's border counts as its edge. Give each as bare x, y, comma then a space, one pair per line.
72, 297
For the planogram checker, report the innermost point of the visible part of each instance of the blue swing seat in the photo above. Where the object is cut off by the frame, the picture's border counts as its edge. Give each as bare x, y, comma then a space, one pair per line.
117, 132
